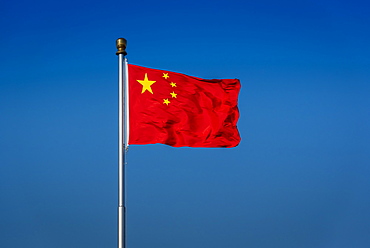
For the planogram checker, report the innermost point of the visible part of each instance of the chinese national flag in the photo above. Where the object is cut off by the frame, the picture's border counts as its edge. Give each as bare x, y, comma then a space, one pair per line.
179, 110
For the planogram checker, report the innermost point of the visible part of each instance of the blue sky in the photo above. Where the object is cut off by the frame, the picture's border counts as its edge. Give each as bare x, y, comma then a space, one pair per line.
299, 178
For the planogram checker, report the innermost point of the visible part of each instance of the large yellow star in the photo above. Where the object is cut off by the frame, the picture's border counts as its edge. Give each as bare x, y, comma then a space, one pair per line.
146, 83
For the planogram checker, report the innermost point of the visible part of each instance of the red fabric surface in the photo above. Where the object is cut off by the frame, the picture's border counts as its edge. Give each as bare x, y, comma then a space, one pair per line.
198, 113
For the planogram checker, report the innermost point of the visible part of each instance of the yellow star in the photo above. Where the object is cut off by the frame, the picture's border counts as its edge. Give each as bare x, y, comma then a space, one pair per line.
165, 75
146, 83
173, 94
165, 101
173, 84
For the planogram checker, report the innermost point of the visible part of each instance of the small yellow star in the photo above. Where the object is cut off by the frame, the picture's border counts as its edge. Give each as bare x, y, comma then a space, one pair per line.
173, 94
165, 75
173, 84
166, 101
146, 83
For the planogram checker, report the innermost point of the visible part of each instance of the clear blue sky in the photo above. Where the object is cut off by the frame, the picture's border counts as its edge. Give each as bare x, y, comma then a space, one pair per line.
299, 178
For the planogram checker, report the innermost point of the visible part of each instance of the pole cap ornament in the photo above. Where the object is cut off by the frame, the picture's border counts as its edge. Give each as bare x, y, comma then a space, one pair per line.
121, 44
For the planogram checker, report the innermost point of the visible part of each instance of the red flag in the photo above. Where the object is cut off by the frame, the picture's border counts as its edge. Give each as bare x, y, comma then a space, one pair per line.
179, 110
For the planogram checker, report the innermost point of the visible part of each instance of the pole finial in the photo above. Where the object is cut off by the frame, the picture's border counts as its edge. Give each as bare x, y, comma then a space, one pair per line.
121, 44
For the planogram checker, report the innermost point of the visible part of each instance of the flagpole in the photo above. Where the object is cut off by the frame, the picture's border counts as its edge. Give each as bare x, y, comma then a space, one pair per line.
122, 138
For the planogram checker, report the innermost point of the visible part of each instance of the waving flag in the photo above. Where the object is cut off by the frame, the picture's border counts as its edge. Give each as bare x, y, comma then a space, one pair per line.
179, 110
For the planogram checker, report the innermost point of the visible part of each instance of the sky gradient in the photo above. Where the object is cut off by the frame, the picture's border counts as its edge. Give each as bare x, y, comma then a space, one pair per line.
298, 179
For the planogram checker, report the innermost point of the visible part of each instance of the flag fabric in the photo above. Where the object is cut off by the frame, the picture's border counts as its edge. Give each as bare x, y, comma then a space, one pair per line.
178, 110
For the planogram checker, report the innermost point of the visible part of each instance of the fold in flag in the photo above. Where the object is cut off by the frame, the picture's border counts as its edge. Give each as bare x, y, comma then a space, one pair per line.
179, 110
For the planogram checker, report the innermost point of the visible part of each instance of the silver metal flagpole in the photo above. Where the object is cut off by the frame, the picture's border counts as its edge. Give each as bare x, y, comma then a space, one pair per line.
122, 138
